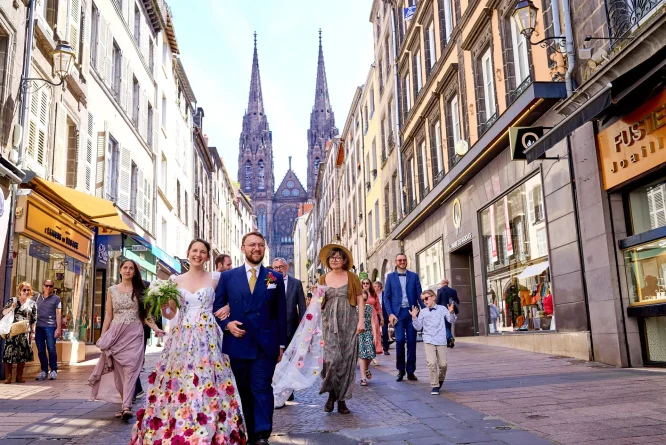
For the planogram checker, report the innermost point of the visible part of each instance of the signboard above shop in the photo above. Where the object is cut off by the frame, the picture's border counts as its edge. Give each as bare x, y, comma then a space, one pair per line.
635, 144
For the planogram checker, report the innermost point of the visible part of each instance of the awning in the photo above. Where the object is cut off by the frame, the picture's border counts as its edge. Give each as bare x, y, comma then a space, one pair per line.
534, 269
592, 108
172, 263
96, 210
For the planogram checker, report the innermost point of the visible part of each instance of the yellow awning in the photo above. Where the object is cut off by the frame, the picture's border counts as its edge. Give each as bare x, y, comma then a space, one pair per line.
97, 211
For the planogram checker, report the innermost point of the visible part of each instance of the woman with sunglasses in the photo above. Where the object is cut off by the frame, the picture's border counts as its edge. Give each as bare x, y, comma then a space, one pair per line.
377, 320
18, 349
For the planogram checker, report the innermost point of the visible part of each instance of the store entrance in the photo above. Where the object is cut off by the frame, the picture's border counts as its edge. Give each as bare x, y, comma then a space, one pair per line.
99, 303
462, 280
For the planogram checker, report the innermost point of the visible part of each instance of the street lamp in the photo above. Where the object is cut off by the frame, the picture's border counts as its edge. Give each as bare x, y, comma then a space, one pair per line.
525, 17
63, 59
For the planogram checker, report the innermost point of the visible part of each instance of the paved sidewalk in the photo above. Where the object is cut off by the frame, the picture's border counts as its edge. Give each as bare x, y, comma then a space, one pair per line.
491, 396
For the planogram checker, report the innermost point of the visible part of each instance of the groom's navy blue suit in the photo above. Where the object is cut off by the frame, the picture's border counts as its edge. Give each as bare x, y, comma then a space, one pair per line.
254, 356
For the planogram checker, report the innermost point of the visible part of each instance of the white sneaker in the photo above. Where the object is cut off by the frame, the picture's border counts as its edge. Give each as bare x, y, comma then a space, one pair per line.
41, 376
53, 375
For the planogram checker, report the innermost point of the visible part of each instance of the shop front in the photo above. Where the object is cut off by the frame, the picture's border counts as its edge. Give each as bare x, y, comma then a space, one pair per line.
632, 151
50, 245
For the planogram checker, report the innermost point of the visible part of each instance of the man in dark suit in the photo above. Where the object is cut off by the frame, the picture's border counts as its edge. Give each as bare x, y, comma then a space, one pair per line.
445, 296
255, 333
402, 292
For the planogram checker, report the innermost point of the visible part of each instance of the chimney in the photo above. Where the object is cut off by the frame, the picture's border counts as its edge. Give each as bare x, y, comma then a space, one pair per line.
198, 118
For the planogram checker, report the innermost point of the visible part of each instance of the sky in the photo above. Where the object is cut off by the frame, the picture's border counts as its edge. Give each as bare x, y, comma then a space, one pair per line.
215, 38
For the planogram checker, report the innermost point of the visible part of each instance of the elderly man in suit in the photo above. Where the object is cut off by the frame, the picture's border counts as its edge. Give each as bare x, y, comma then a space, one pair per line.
402, 292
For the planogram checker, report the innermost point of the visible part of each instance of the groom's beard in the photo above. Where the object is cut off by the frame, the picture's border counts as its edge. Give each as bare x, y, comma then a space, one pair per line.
255, 258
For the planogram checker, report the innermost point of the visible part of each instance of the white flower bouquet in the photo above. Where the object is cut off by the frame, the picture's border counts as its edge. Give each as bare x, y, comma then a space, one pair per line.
159, 293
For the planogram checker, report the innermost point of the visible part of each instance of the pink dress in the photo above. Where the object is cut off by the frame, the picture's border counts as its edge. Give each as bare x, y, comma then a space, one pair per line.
376, 329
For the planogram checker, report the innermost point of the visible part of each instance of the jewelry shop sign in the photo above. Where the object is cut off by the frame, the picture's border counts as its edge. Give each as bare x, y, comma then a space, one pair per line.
634, 144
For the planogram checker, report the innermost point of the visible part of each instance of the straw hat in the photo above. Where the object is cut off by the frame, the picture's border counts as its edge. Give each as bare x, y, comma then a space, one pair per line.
323, 254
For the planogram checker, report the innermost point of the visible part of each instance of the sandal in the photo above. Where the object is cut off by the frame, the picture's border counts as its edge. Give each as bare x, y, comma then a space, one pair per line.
368, 374
127, 414
119, 414
364, 382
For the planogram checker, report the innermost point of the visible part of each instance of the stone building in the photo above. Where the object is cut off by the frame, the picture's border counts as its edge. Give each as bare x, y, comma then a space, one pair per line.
276, 207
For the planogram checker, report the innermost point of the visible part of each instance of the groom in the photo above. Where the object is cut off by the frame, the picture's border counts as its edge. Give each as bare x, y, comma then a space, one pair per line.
255, 334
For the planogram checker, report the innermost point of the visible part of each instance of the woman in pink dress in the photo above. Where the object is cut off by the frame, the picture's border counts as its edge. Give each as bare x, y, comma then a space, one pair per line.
377, 319
114, 377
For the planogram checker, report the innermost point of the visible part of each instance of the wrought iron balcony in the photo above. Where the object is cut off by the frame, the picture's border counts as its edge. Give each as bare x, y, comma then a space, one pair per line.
413, 205
513, 95
624, 16
424, 193
438, 178
488, 123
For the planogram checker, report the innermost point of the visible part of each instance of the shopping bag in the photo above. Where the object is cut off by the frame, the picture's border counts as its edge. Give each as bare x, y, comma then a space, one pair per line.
6, 324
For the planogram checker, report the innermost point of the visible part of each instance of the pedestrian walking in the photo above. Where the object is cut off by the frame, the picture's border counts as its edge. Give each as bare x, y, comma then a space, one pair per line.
432, 319
18, 347
403, 291
366, 344
377, 318
379, 290
341, 324
47, 330
445, 296
223, 262
494, 315
121, 342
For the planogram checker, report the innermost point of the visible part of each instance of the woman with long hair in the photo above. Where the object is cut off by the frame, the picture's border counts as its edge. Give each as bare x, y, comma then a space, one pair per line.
18, 348
341, 324
193, 394
377, 320
121, 342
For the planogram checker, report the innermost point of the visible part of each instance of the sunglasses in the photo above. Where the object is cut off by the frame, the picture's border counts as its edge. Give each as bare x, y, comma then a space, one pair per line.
48, 285
25, 290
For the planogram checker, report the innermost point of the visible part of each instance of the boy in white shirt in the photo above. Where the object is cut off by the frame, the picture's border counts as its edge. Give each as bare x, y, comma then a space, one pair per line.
432, 320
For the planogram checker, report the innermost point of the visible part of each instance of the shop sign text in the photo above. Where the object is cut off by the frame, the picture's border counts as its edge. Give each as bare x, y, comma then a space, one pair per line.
460, 242
63, 239
634, 144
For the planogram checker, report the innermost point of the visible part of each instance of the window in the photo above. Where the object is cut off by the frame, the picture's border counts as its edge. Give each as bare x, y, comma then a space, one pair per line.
163, 173
38, 126
137, 25
365, 108
49, 12
377, 234
431, 266
116, 59
431, 56
248, 176
136, 94
648, 207
367, 168
448, 18
380, 73
517, 269
488, 85
520, 63
151, 56
387, 54
417, 73
165, 54
436, 151
164, 112
178, 198
370, 238
408, 102
423, 169
374, 157
455, 116
186, 205
535, 210
262, 184
372, 102
151, 117
134, 191
113, 169
165, 233
94, 36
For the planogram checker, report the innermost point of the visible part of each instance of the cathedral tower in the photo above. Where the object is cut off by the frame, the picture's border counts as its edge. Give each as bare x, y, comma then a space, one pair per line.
255, 154
322, 124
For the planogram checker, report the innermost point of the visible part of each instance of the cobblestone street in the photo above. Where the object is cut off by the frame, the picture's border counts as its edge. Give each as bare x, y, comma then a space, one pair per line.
491, 396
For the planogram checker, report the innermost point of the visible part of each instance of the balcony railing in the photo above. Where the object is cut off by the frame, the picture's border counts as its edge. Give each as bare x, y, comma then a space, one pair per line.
438, 178
487, 124
513, 95
424, 193
624, 16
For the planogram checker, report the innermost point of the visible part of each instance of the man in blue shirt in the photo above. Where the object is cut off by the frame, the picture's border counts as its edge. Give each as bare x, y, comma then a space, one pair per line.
403, 290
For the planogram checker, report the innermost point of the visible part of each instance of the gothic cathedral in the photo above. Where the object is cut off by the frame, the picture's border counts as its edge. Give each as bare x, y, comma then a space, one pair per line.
276, 209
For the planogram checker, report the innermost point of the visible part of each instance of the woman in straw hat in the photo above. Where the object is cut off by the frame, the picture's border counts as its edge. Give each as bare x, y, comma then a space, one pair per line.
341, 324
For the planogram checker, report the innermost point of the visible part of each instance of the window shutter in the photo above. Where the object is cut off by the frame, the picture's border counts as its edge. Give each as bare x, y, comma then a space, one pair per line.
100, 62
61, 156
147, 204
657, 206
530, 207
125, 178
42, 128
61, 20
138, 216
89, 173
143, 115
74, 23
100, 162
125, 80
156, 126
108, 68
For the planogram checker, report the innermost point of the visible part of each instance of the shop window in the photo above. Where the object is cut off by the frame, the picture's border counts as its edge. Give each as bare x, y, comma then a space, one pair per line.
645, 266
517, 272
430, 263
648, 207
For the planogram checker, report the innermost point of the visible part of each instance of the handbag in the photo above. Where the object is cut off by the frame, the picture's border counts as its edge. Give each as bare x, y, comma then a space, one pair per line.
18, 328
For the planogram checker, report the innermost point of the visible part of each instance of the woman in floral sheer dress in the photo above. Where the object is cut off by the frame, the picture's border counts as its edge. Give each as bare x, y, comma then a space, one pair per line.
192, 397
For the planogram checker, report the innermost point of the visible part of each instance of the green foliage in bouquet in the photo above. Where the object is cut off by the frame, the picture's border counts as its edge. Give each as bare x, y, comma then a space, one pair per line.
159, 293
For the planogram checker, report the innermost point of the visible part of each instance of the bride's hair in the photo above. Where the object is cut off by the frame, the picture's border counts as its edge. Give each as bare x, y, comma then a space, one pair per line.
199, 240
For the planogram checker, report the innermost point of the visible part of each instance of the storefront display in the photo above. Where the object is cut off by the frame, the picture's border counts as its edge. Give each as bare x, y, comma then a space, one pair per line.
50, 246
430, 265
518, 289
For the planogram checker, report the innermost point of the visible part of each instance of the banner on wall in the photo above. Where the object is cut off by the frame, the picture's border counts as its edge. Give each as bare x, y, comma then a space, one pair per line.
409, 13
507, 228
493, 239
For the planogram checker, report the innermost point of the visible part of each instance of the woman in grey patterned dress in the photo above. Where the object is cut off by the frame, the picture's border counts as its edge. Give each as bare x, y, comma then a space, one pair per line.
341, 324
18, 349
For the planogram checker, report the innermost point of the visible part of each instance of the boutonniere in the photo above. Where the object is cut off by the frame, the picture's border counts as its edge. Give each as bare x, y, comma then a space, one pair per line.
270, 279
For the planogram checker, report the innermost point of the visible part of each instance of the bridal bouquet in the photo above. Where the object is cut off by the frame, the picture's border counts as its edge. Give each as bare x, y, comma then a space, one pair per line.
159, 293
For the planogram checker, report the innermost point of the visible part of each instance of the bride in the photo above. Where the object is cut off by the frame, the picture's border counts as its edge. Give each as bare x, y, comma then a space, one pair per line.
192, 395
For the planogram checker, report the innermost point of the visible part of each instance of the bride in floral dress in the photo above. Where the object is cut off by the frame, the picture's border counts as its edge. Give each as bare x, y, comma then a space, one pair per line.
192, 397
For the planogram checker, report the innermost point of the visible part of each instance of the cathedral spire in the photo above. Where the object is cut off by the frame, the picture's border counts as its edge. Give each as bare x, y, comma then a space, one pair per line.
322, 101
256, 99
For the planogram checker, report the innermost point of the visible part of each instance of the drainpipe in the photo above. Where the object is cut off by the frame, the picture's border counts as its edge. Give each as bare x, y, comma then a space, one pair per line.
568, 34
557, 27
396, 96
